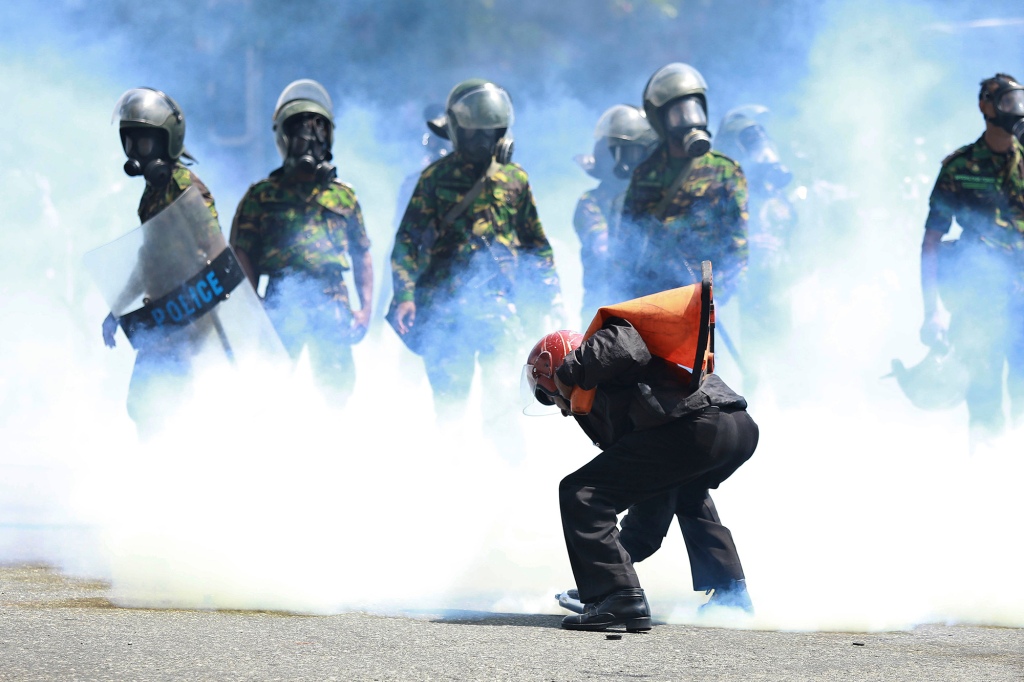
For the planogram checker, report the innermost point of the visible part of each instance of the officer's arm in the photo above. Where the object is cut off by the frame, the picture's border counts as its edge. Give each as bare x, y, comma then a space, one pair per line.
407, 261
940, 217
536, 249
591, 226
362, 264
244, 237
930, 272
614, 353
735, 220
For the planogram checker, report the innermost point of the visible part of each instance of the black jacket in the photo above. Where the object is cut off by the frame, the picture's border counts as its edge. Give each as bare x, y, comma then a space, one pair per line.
635, 390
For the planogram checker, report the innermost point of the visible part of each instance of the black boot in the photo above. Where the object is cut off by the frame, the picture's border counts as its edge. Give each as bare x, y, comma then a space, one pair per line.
627, 607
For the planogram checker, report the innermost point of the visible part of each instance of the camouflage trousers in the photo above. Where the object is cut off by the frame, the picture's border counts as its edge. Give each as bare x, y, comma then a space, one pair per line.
308, 312
981, 290
454, 346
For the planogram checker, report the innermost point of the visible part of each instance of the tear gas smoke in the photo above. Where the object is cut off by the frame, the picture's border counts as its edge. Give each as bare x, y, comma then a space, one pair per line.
856, 512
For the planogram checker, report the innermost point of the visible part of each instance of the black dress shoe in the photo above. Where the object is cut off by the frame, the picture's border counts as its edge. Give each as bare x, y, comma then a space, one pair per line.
626, 607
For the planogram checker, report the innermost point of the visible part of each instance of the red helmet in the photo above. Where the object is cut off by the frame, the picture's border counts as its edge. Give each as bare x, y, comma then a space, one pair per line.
547, 356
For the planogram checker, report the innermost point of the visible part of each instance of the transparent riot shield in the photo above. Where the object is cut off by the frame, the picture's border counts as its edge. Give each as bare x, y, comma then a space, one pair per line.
178, 290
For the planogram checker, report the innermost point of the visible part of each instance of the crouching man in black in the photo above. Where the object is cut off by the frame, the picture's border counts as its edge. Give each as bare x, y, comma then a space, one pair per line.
656, 436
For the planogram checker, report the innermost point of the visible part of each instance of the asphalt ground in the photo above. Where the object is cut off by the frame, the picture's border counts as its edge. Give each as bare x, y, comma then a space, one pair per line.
56, 628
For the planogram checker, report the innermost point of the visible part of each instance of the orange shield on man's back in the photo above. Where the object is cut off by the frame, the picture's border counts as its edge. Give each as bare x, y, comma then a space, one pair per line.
675, 324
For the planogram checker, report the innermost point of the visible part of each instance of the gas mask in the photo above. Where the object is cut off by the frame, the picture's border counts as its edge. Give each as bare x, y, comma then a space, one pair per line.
479, 145
627, 157
686, 123
309, 147
146, 149
761, 159
1008, 101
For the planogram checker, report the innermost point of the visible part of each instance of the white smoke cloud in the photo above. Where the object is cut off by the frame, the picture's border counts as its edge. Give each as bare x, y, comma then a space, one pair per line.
856, 512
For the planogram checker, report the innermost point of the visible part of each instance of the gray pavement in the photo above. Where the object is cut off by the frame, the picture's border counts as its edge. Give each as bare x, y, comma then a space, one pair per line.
56, 628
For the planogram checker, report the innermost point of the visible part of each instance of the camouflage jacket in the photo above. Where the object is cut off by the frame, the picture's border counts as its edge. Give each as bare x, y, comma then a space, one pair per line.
300, 226
208, 237
984, 191
595, 211
495, 250
151, 273
706, 220
155, 200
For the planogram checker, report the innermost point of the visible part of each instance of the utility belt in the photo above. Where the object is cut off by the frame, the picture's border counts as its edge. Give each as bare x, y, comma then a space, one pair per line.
328, 280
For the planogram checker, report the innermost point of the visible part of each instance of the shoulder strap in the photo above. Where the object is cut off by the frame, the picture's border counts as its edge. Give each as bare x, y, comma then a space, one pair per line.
458, 209
662, 208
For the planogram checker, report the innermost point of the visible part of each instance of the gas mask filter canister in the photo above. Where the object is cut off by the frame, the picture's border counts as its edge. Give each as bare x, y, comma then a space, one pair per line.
687, 122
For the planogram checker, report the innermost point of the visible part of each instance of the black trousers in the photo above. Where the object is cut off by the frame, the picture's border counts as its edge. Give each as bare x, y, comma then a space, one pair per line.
714, 561
702, 449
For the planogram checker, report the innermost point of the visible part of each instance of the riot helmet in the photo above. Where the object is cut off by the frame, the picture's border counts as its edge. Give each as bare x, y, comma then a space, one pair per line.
547, 355
435, 142
304, 129
624, 132
478, 116
741, 137
1007, 98
152, 130
676, 105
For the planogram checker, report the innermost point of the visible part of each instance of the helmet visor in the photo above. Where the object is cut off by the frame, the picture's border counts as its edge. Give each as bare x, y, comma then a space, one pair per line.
629, 156
308, 90
534, 399
757, 146
622, 122
672, 81
485, 107
143, 106
1011, 103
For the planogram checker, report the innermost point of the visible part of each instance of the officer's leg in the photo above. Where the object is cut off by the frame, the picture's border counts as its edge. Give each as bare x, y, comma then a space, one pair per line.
1015, 360
977, 341
333, 368
160, 383
450, 362
646, 524
286, 304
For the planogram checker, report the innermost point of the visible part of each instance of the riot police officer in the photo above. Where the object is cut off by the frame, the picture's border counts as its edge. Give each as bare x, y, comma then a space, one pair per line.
982, 186
622, 140
684, 204
764, 297
471, 261
303, 228
152, 131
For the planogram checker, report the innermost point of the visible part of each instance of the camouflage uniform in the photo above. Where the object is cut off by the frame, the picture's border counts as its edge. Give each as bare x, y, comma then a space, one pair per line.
159, 377
155, 200
706, 220
301, 235
471, 279
982, 273
595, 211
